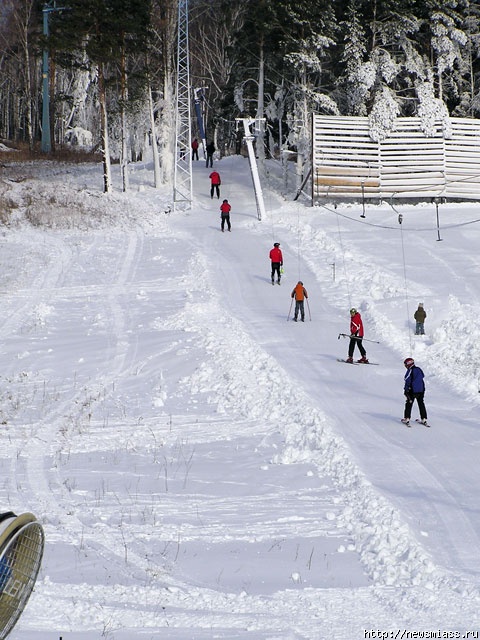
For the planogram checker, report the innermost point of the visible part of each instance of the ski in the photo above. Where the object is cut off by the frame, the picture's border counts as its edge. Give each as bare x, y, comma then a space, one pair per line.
420, 422
356, 362
407, 422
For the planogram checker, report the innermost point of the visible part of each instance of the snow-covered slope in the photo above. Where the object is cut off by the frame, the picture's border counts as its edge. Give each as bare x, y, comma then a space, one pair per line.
204, 467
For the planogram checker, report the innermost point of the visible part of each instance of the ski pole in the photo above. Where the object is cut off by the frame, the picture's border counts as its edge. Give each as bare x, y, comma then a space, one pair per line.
346, 335
289, 311
308, 307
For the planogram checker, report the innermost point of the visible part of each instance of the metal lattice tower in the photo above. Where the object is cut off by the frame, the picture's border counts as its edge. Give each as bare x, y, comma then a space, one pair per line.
182, 189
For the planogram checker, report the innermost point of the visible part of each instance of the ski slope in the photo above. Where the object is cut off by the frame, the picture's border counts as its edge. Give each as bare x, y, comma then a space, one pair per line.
204, 467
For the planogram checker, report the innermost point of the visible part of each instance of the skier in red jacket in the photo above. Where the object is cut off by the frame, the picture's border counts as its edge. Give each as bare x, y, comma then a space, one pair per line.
194, 149
215, 182
277, 261
225, 209
356, 336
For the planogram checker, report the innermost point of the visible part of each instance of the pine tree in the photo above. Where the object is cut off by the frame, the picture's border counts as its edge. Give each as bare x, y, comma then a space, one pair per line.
470, 98
449, 48
359, 75
307, 35
107, 31
161, 65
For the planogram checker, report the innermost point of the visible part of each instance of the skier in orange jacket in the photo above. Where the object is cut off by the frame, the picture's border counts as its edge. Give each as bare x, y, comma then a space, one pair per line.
299, 293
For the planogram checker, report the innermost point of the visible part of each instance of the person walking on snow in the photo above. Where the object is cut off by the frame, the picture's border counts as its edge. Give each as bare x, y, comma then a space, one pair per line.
225, 209
210, 149
420, 315
194, 149
299, 293
356, 336
277, 261
215, 183
414, 389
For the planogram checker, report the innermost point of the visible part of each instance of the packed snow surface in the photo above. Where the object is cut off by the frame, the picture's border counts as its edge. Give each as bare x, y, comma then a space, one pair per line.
204, 467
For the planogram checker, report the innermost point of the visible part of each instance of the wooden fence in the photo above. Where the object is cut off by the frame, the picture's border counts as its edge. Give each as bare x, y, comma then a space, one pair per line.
347, 163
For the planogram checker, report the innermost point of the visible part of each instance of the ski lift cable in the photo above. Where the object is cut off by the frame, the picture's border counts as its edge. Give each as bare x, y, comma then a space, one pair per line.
228, 187
272, 228
404, 262
384, 226
298, 244
406, 283
344, 266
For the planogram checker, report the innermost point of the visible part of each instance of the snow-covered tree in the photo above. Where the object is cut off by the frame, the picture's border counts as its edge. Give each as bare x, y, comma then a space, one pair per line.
278, 59
163, 51
358, 76
448, 44
469, 97
307, 37
392, 64
395, 55
432, 110
383, 114
19, 30
108, 33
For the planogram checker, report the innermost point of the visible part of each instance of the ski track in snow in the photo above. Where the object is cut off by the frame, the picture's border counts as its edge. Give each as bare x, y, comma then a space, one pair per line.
317, 243
107, 451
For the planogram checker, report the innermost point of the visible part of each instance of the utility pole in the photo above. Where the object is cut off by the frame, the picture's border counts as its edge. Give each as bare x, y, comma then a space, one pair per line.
182, 179
199, 97
46, 144
260, 147
249, 139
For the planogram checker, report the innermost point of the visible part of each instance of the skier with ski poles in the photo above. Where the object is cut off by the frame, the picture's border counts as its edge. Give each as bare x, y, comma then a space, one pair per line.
356, 337
300, 294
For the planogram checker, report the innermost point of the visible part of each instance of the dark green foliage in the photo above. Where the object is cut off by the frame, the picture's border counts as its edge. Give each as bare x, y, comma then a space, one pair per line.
104, 28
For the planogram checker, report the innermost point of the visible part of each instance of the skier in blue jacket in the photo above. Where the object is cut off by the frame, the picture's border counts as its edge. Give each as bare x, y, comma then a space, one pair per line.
414, 389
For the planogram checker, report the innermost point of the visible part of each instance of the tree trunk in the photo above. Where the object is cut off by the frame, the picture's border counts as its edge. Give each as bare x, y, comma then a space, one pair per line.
123, 116
102, 97
28, 85
53, 70
156, 159
168, 133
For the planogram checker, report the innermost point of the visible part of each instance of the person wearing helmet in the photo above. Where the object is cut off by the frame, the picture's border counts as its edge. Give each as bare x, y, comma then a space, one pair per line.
356, 336
414, 389
299, 293
276, 258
